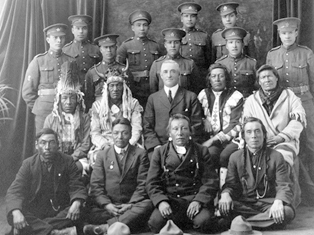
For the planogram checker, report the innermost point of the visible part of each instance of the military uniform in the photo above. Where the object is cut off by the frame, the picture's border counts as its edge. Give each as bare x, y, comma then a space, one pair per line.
242, 71
295, 66
196, 45
218, 41
219, 45
241, 67
85, 53
41, 78
187, 69
140, 52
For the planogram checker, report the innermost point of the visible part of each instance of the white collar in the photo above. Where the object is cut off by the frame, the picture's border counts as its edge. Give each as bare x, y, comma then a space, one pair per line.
118, 150
173, 89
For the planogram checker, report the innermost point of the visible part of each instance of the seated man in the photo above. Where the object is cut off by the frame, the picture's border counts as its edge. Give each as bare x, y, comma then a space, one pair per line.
257, 186
283, 116
222, 106
116, 101
182, 182
47, 193
118, 183
170, 100
68, 118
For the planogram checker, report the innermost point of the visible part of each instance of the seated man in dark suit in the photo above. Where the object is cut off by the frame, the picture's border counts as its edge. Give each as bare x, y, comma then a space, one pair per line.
47, 193
257, 186
182, 182
170, 100
118, 183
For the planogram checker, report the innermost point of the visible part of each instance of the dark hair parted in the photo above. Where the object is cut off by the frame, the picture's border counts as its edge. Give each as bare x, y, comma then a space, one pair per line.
245, 173
268, 68
178, 116
123, 121
218, 66
46, 131
254, 119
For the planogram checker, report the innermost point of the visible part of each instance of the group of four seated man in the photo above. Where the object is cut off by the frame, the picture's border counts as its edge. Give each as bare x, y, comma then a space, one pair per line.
176, 178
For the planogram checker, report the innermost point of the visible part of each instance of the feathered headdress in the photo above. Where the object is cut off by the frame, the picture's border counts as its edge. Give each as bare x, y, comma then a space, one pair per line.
115, 75
69, 83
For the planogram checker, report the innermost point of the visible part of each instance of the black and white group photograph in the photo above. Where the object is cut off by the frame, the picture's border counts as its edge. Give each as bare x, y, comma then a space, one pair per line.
156, 117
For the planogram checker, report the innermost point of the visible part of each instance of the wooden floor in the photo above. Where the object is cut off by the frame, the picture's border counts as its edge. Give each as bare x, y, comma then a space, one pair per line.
303, 224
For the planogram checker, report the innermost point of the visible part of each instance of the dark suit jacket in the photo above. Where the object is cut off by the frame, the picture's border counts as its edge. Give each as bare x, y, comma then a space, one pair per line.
158, 111
67, 183
193, 179
109, 185
272, 164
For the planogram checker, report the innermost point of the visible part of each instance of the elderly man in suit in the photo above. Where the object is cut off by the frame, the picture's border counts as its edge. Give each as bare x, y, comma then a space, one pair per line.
118, 184
47, 193
182, 182
170, 100
258, 186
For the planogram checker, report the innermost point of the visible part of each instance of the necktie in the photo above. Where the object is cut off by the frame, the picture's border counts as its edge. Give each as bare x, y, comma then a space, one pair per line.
121, 154
215, 121
47, 165
170, 96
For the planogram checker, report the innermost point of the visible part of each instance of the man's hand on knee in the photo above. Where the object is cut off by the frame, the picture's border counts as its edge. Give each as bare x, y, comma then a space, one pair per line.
19, 221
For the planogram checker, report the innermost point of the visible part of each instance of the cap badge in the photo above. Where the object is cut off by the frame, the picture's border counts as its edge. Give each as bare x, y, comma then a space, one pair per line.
233, 33
190, 7
172, 34
225, 8
80, 20
58, 29
107, 39
140, 15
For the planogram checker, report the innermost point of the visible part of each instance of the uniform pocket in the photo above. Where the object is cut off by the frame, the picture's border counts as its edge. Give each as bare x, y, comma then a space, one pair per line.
46, 74
134, 57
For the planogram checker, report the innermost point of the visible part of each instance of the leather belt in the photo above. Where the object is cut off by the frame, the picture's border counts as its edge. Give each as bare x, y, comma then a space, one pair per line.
300, 90
46, 92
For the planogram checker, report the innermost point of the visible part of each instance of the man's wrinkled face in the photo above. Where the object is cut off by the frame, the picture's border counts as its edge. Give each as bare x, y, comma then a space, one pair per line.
288, 37
80, 32
188, 20
253, 136
140, 28
55, 42
47, 146
68, 102
115, 90
180, 132
121, 135
267, 80
217, 79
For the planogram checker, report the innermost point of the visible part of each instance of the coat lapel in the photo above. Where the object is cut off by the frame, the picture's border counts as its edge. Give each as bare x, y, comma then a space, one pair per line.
128, 161
112, 160
178, 97
164, 99
58, 171
36, 175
